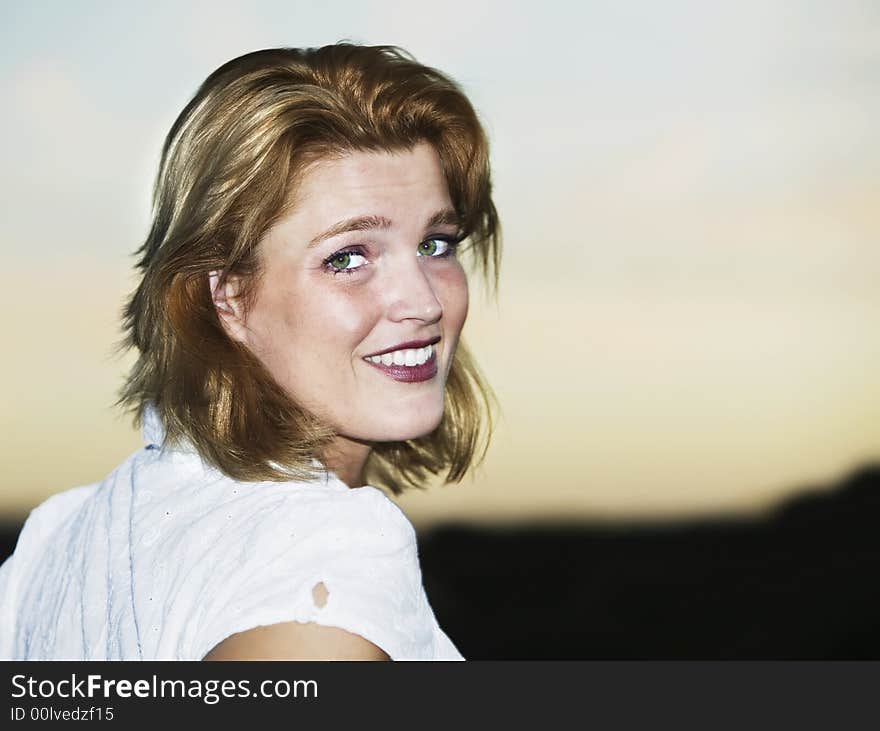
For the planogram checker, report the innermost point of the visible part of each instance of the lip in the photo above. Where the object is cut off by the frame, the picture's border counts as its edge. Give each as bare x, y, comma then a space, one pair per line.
409, 374
409, 344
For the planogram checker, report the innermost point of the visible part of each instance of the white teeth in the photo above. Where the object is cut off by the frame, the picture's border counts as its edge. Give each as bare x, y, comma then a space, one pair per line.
409, 357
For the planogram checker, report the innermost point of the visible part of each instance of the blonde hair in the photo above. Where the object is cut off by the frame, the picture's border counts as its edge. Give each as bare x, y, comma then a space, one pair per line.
228, 166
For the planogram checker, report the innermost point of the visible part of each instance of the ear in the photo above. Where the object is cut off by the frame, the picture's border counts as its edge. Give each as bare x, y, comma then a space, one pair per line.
226, 303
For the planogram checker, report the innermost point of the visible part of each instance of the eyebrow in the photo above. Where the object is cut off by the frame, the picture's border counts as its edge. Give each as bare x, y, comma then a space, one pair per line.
445, 217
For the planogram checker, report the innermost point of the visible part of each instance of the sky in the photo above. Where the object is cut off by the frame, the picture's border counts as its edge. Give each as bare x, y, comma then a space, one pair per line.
689, 195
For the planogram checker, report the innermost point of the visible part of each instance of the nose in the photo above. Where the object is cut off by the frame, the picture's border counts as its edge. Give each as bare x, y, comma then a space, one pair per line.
411, 291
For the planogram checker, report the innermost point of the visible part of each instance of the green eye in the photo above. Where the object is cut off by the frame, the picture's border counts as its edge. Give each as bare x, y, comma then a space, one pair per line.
438, 247
341, 261
429, 247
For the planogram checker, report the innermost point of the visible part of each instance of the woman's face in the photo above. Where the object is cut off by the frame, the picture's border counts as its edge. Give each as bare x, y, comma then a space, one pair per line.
361, 265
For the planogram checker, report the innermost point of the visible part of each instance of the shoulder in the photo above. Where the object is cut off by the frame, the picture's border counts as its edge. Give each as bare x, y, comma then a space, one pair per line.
367, 513
314, 519
42, 523
62, 503
48, 515
282, 532
324, 573
177, 493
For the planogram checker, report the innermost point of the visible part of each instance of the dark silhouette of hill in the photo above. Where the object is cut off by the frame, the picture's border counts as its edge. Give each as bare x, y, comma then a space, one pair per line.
797, 583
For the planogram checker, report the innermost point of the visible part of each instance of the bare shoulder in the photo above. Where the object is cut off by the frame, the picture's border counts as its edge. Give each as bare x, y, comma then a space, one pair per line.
296, 641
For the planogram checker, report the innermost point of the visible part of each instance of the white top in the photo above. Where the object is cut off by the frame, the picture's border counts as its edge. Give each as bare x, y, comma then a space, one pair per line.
167, 556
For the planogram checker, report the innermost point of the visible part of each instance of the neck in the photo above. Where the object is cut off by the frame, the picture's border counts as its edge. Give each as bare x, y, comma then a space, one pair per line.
348, 458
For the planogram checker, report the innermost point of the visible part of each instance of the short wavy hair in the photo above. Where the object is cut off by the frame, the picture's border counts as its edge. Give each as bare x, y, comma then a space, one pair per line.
228, 167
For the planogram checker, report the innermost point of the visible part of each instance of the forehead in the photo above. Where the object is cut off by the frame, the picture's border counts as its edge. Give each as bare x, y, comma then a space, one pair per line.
360, 180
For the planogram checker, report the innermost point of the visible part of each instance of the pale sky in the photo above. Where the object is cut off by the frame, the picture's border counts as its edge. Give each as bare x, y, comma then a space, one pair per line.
688, 311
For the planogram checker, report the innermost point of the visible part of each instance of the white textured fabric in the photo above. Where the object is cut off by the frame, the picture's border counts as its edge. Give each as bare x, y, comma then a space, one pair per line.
167, 556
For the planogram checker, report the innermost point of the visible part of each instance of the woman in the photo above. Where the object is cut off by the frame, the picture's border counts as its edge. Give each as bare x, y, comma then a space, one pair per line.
298, 334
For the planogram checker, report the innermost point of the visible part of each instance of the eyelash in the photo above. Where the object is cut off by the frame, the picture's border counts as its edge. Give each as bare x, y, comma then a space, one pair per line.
450, 241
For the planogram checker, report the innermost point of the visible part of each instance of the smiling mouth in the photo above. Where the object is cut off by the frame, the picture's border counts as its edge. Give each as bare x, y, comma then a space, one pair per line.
406, 357
410, 365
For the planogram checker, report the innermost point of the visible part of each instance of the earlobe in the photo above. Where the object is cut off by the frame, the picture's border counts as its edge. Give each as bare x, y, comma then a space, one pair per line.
227, 305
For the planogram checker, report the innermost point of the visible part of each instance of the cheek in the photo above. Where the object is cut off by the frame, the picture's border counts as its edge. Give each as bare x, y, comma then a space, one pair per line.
332, 323
452, 289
